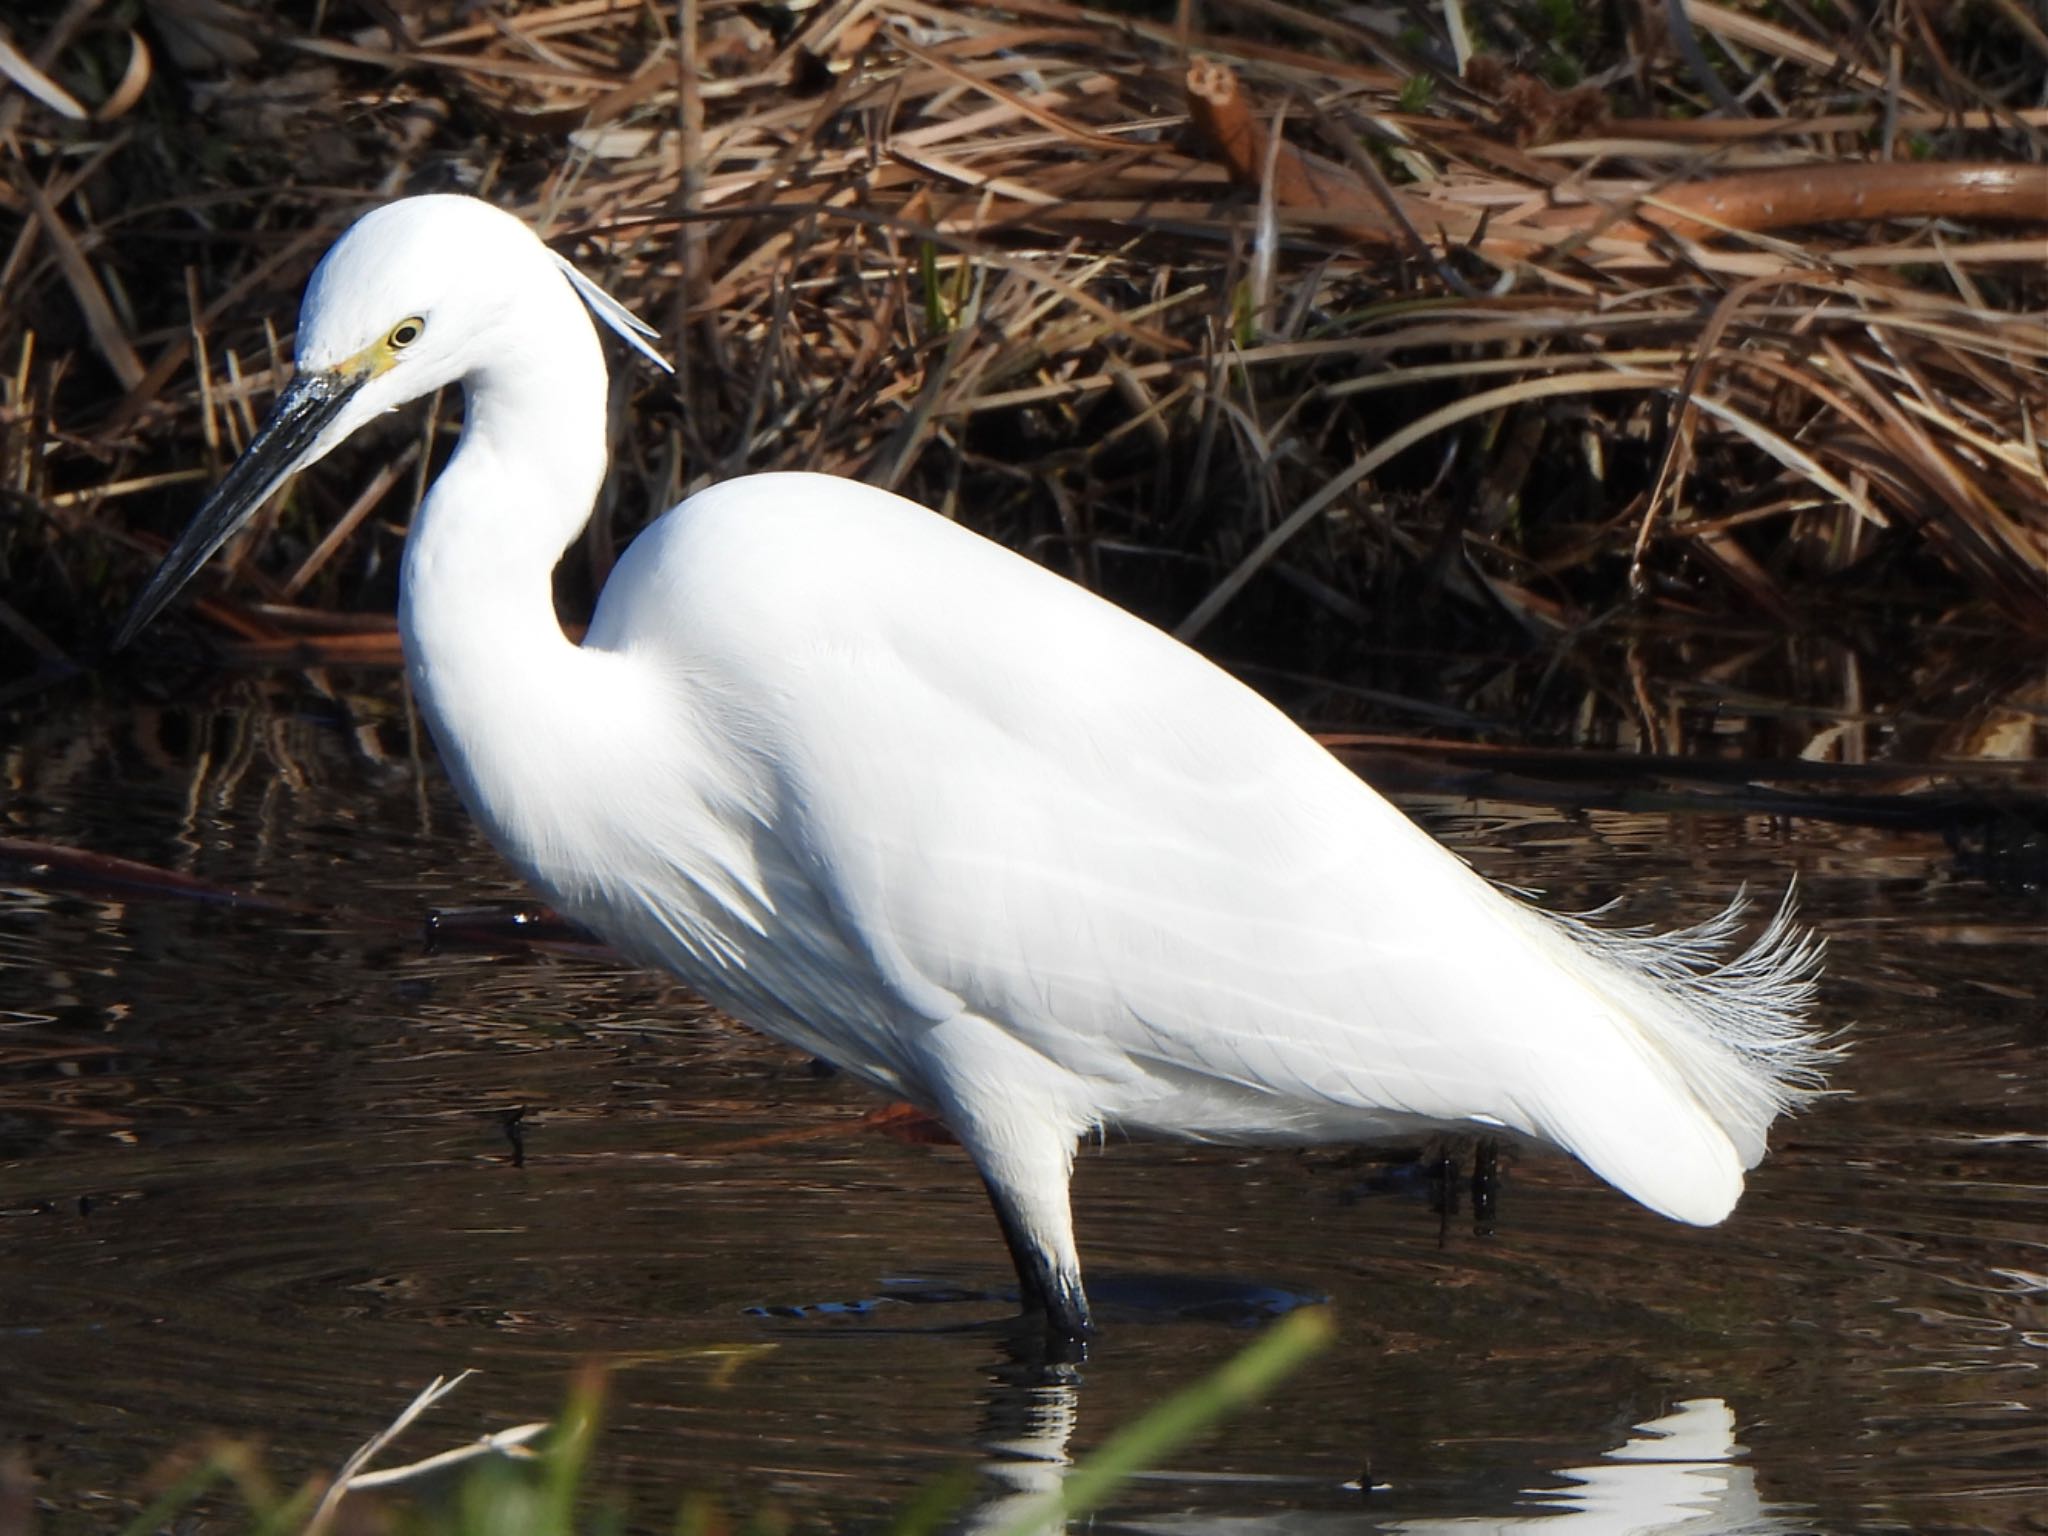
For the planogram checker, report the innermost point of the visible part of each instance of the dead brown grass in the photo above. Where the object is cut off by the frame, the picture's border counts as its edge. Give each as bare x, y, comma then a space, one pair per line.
1749, 319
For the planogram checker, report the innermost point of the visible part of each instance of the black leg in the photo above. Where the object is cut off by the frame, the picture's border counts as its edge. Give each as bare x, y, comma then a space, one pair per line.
1041, 1285
1485, 1183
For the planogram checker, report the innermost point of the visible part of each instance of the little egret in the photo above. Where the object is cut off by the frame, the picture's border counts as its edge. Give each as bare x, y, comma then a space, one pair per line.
906, 800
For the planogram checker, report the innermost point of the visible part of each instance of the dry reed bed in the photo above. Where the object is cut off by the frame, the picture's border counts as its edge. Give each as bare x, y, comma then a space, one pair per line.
1204, 306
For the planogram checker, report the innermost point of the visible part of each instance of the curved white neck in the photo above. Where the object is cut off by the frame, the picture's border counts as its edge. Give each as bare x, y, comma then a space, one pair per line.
483, 645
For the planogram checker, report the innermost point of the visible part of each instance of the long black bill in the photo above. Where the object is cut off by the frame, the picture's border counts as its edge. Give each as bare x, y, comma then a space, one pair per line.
301, 413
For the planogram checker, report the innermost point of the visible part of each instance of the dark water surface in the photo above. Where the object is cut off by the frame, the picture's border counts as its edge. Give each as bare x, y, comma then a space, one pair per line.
255, 1179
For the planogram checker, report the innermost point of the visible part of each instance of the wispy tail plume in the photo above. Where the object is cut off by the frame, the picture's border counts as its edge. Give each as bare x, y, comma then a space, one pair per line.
1735, 1026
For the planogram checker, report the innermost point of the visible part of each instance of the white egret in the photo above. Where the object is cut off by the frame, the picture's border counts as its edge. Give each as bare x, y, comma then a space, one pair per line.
901, 798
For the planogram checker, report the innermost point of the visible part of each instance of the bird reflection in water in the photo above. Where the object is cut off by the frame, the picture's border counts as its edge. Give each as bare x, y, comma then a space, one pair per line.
1681, 1472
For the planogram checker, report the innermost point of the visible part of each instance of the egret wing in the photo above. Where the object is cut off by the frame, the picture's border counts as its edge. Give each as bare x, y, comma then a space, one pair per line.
1017, 801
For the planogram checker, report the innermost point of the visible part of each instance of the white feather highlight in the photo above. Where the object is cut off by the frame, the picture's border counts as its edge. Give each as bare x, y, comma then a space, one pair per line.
1729, 1031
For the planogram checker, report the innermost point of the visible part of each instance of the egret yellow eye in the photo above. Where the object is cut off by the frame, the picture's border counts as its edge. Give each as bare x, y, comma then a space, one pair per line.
405, 333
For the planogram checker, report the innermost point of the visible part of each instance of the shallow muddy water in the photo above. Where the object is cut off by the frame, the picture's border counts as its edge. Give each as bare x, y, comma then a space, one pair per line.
257, 1179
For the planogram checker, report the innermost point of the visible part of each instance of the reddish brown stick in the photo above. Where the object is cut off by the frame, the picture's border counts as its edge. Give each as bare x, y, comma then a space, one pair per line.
1748, 200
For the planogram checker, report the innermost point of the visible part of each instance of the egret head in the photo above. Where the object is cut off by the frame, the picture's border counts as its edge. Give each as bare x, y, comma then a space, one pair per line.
403, 303
415, 295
